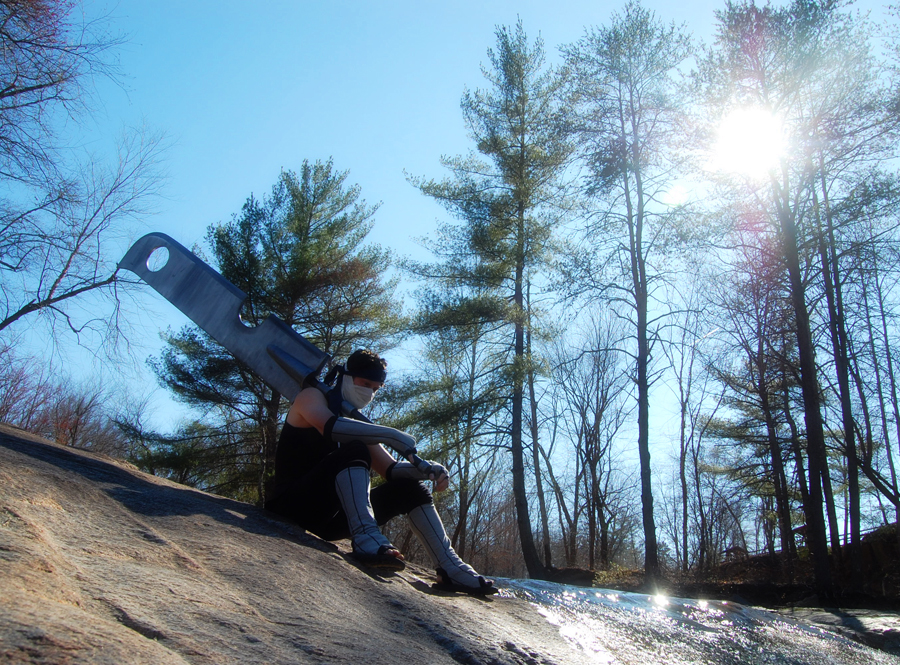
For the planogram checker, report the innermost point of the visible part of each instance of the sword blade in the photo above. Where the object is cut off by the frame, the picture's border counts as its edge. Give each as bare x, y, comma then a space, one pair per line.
214, 304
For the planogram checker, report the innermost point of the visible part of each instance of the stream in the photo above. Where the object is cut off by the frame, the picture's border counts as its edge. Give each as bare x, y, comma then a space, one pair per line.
614, 627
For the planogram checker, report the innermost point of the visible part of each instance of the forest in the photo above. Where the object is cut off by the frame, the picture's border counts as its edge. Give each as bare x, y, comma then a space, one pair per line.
657, 327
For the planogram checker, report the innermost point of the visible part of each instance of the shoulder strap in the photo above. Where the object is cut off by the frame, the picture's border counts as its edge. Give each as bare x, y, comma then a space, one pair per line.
334, 399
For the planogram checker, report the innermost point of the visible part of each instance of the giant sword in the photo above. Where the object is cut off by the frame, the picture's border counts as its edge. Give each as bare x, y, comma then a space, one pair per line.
273, 350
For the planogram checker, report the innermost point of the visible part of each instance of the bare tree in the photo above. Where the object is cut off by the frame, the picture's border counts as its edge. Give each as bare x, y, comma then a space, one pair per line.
689, 347
47, 60
626, 118
59, 213
26, 389
39, 399
59, 250
592, 378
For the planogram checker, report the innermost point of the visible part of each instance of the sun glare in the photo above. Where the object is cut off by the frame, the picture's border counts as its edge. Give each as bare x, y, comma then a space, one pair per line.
676, 196
750, 142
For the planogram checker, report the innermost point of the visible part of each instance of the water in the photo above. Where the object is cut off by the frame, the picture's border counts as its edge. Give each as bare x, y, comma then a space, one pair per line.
615, 627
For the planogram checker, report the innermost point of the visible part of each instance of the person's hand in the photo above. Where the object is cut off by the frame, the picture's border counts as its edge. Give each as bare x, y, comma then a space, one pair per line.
421, 470
439, 477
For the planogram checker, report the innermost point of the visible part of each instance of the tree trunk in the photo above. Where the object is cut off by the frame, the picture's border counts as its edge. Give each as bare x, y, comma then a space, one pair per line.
533, 563
809, 384
831, 508
634, 207
702, 558
535, 451
459, 533
795, 442
567, 521
591, 500
684, 399
782, 501
682, 471
604, 537
539, 485
889, 362
269, 444
839, 345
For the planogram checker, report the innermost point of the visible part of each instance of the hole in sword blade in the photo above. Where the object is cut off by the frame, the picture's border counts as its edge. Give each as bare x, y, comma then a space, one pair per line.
246, 315
158, 259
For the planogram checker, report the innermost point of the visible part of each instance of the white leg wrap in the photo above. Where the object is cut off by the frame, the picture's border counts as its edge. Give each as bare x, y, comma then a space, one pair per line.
352, 486
427, 526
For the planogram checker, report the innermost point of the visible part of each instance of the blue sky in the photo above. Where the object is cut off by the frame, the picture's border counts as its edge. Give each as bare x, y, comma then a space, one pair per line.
242, 94
243, 90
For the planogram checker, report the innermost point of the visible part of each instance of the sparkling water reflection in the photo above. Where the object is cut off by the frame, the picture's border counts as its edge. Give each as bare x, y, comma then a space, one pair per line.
636, 629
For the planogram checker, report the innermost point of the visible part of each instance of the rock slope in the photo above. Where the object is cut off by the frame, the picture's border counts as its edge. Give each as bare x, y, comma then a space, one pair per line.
103, 564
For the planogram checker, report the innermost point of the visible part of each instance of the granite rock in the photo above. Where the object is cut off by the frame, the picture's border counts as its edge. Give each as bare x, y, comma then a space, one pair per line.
103, 564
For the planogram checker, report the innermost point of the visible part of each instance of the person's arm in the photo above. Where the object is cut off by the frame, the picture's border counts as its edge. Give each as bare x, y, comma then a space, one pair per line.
381, 460
310, 409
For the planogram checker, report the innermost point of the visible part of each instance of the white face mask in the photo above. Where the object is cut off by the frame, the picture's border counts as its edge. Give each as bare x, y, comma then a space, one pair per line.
358, 396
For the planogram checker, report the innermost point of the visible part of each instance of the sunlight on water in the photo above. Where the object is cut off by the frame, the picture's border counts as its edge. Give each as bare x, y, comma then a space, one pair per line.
618, 628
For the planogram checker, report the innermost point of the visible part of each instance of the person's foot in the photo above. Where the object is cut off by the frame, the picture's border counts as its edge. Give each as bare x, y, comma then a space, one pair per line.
446, 583
387, 557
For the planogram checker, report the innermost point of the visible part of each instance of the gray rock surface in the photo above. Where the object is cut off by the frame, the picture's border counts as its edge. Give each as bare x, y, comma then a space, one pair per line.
876, 628
103, 564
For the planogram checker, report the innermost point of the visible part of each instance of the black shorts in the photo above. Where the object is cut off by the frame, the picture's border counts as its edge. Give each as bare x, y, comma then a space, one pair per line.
312, 501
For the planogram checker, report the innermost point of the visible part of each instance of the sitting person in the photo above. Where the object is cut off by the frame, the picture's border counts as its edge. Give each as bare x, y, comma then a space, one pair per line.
322, 467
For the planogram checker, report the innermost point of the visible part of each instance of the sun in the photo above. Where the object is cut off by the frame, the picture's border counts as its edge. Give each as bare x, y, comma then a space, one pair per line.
750, 142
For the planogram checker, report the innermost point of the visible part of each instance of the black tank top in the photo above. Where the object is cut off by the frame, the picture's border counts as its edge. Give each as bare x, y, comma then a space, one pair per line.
299, 450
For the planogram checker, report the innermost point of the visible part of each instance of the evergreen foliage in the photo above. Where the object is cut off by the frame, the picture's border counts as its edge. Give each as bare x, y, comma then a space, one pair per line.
502, 198
299, 254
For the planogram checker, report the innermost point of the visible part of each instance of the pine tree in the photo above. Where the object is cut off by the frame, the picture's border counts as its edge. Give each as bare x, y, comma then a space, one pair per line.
298, 254
808, 64
502, 201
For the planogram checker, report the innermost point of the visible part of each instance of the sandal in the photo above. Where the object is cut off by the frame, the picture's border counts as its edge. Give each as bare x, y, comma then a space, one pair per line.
383, 559
445, 583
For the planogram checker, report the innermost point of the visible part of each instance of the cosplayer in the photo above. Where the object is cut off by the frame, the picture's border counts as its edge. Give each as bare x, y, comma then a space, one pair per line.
322, 467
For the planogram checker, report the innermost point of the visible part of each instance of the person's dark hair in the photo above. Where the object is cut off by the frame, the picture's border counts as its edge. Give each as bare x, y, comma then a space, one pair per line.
367, 365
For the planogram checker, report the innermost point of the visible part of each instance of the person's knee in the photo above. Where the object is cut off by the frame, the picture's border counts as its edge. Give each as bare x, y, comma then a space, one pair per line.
356, 453
398, 497
414, 492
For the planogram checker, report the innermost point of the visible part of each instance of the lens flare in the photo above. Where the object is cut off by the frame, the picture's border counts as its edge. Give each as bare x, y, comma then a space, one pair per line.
750, 143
